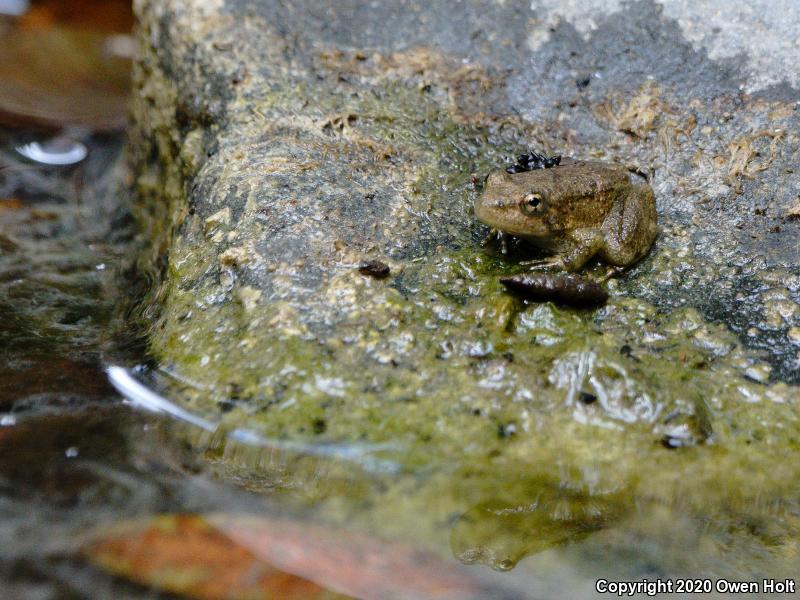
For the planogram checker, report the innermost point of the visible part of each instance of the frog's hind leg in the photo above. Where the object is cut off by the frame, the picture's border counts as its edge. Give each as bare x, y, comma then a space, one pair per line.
583, 245
633, 231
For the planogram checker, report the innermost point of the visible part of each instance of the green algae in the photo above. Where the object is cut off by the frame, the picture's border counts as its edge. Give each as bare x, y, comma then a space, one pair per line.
518, 428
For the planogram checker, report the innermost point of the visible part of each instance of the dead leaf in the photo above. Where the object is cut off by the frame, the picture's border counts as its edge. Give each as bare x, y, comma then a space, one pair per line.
9, 204
241, 557
55, 77
187, 555
98, 15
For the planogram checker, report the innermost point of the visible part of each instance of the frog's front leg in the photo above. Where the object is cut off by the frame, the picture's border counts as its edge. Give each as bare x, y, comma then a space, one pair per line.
502, 238
582, 246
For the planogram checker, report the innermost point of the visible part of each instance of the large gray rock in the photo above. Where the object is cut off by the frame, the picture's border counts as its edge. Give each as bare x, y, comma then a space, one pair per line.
279, 145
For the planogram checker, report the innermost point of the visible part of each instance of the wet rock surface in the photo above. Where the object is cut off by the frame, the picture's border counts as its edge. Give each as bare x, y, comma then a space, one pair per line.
279, 148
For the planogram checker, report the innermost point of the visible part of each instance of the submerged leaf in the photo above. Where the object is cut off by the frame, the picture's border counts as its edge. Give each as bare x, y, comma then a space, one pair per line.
57, 77
7, 204
235, 557
187, 555
98, 15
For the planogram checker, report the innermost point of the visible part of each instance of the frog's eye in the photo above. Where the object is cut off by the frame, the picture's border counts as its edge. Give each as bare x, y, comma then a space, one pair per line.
533, 203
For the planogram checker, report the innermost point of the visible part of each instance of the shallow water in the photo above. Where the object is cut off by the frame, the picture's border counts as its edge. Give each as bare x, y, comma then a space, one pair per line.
74, 455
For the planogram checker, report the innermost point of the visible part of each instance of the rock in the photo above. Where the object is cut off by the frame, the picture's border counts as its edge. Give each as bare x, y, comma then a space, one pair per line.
315, 134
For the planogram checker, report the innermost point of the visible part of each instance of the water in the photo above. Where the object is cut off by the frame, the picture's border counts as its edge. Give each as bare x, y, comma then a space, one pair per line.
77, 456
74, 456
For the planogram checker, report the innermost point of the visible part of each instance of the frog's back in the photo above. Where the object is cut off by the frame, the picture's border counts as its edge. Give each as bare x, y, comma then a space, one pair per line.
579, 193
588, 178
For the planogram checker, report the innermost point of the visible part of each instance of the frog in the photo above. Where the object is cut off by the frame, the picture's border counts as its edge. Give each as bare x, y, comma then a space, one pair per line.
575, 209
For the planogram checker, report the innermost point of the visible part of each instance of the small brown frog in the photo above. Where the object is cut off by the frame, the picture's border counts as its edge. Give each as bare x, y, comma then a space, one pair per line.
577, 209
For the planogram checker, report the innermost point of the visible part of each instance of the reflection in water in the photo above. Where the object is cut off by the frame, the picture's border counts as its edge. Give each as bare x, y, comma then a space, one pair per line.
57, 151
501, 531
145, 398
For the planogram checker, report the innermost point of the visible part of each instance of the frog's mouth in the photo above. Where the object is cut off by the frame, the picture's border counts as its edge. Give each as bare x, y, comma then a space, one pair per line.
507, 218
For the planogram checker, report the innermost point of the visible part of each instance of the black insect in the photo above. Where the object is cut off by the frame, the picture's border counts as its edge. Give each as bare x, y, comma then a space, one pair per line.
533, 160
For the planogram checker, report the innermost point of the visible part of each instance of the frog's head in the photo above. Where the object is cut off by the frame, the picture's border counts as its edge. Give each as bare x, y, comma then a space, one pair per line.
516, 204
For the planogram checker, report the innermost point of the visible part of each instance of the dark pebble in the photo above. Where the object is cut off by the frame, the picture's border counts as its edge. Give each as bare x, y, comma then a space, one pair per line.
374, 268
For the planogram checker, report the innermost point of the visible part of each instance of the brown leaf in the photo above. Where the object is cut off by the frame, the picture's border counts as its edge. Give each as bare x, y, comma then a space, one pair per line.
187, 555
99, 15
8, 204
238, 557
56, 76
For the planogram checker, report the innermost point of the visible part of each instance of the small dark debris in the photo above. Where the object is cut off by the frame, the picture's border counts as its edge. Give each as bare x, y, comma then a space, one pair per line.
583, 82
505, 431
226, 406
587, 398
239, 75
749, 377
639, 172
627, 352
318, 426
374, 268
564, 288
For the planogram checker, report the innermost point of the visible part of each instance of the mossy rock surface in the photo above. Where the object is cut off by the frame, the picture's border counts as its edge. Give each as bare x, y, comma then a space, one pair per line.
277, 147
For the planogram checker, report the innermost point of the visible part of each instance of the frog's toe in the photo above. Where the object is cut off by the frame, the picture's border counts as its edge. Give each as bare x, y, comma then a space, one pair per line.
500, 237
612, 272
490, 237
503, 239
543, 264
